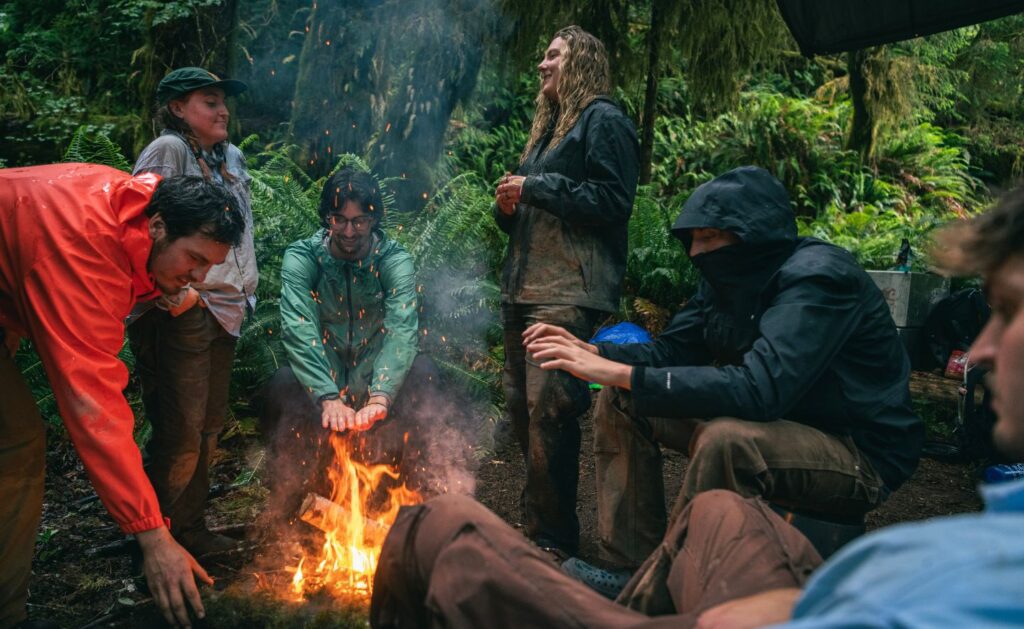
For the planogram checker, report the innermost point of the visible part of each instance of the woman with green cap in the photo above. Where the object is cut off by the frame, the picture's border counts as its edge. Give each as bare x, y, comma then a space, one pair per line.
184, 347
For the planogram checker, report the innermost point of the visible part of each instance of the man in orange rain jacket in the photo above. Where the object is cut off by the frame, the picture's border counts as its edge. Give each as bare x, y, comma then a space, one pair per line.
79, 245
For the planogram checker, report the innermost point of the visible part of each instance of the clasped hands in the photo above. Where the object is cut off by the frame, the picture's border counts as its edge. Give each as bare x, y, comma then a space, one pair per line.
555, 347
338, 416
509, 192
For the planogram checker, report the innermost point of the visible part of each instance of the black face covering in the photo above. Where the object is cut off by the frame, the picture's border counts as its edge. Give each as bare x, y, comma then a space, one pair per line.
738, 273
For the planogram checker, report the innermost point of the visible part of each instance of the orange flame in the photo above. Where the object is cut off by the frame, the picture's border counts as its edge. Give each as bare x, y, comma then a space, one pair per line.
354, 534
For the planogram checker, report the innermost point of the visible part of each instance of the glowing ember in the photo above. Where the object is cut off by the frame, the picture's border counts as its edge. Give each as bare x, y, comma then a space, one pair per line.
363, 505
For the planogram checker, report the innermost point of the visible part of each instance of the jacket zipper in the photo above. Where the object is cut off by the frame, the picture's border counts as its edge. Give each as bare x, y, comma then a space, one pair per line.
351, 333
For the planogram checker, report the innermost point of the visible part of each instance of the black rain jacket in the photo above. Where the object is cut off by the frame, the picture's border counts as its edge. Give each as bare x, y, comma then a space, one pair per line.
567, 238
803, 335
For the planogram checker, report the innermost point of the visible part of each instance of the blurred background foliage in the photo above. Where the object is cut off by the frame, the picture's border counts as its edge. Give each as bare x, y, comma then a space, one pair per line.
435, 97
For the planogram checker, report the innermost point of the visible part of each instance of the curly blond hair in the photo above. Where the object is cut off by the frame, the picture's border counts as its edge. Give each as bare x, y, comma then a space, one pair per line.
584, 77
983, 243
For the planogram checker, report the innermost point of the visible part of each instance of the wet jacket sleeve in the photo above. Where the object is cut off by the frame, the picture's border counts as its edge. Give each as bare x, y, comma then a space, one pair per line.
401, 325
612, 166
680, 343
78, 338
809, 321
504, 221
301, 332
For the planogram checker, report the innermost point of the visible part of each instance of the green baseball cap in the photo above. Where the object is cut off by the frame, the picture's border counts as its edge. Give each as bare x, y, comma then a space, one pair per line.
184, 80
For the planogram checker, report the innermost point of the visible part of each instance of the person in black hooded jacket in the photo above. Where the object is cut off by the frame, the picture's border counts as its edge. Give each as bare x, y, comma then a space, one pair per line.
783, 377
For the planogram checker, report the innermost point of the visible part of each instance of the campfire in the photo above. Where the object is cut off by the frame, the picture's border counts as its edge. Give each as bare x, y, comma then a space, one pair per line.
355, 519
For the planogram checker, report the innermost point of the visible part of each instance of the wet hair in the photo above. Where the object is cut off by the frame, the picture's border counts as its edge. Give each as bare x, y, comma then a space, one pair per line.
190, 205
165, 119
583, 76
982, 244
349, 184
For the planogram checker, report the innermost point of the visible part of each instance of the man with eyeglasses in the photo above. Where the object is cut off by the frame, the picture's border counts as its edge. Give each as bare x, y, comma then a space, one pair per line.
350, 329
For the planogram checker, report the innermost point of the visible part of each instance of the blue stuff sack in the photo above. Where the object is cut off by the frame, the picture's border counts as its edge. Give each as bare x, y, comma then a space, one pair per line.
622, 333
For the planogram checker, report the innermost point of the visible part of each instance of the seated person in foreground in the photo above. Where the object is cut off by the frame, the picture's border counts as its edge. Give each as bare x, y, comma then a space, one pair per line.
729, 561
349, 317
783, 378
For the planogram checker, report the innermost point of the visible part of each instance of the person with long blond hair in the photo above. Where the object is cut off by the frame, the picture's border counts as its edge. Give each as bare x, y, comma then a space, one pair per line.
565, 210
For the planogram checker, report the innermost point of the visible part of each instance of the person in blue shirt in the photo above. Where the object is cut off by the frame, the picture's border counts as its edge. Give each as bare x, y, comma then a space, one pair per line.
729, 561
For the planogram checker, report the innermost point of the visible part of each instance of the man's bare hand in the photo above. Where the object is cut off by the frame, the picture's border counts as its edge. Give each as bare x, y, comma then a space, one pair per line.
509, 192
190, 300
559, 352
766, 608
169, 571
374, 411
336, 415
539, 330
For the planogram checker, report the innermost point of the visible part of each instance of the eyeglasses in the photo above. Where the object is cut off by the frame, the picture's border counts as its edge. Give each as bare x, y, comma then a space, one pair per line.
359, 223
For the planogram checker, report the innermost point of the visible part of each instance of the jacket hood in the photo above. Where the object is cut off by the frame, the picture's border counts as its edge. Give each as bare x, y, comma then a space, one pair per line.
747, 201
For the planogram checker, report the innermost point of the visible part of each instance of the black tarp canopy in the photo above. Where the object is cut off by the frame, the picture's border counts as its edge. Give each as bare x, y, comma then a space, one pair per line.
829, 26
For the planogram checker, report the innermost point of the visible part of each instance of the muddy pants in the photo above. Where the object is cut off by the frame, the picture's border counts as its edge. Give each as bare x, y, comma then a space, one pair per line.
184, 365
300, 447
452, 563
791, 464
22, 468
545, 407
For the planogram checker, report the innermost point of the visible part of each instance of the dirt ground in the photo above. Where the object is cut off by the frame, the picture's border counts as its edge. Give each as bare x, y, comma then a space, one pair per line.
83, 576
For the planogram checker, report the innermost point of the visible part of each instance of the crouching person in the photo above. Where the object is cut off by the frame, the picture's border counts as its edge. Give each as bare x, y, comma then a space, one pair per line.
349, 313
783, 378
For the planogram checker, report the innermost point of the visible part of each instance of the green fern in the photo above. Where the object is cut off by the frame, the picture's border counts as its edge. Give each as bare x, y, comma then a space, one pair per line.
93, 147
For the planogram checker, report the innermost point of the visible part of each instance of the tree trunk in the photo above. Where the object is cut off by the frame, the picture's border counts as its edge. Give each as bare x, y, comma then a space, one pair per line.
862, 126
440, 64
654, 35
337, 85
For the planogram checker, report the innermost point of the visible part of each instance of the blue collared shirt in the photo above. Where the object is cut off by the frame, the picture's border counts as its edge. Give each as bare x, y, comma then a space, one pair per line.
959, 571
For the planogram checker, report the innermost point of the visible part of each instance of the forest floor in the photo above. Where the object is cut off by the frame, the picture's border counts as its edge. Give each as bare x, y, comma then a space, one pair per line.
83, 576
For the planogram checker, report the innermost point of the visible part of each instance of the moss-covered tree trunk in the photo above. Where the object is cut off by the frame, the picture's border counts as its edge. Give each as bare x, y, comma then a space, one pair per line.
654, 39
337, 88
443, 52
862, 125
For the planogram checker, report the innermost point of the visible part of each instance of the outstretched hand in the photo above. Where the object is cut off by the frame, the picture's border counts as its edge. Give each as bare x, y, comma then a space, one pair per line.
169, 571
336, 415
556, 348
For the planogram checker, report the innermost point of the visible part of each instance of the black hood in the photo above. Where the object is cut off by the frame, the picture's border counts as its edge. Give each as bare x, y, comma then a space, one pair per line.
747, 201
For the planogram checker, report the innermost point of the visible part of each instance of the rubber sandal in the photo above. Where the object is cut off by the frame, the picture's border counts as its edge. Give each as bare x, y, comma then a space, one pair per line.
608, 583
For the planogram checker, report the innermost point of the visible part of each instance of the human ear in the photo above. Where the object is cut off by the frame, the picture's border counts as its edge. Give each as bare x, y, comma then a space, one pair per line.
157, 227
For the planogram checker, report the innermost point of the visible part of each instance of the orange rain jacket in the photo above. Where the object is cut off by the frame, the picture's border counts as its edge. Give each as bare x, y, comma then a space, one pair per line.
74, 246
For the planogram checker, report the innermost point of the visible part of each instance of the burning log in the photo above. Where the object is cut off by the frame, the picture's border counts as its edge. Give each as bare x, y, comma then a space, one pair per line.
327, 516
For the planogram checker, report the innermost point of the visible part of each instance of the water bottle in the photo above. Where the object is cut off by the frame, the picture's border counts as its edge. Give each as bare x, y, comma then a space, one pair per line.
1004, 472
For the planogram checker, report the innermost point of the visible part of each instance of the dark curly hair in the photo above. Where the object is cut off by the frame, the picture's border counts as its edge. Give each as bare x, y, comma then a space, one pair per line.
349, 184
191, 204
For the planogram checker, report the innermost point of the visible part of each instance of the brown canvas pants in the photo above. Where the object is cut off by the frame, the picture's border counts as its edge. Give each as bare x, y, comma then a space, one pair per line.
22, 469
184, 365
788, 463
545, 408
452, 563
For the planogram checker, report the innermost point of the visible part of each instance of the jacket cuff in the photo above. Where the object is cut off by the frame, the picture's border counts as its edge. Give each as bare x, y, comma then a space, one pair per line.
145, 524
642, 396
383, 394
526, 195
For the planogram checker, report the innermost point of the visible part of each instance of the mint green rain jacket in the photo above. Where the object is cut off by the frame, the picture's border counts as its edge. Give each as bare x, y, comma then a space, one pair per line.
349, 328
